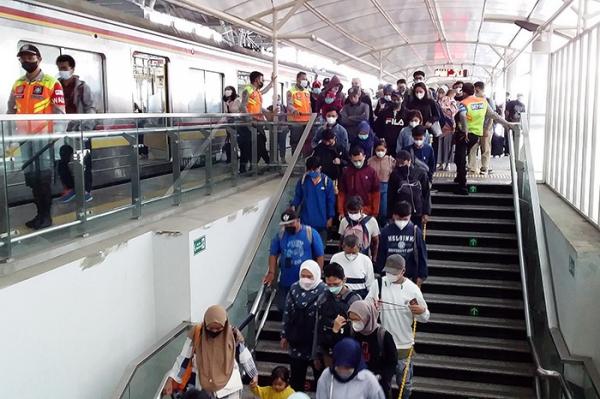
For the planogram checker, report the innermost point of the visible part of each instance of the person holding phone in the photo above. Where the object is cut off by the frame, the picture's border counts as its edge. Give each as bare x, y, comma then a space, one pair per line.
400, 303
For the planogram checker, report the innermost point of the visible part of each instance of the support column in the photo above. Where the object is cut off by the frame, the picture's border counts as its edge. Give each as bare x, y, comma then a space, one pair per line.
273, 136
380, 67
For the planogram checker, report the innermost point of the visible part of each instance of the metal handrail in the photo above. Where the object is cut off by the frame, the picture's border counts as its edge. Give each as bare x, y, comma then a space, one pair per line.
84, 117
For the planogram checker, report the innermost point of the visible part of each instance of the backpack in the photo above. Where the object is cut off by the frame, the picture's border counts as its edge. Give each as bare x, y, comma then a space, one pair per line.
309, 233
411, 193
360, 230
300, 326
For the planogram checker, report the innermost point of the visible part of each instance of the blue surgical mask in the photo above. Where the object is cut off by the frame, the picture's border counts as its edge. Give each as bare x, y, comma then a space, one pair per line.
335, 290
313, 174
363, 136
329, 100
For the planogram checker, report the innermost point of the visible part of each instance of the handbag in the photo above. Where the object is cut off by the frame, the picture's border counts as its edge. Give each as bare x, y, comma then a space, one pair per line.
436, 129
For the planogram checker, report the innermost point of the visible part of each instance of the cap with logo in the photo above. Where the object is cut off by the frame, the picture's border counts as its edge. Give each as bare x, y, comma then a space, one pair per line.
288, 217
29, 49
394, 264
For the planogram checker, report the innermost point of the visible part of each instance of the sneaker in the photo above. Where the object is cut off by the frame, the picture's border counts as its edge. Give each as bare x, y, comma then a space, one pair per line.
88, 196
67, 197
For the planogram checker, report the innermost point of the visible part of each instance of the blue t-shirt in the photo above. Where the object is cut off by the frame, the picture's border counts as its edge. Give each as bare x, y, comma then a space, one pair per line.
293, 249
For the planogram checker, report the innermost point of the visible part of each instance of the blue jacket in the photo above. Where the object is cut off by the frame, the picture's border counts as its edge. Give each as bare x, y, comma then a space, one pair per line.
367, 144
317, 201
424, 154
395, 241
340, 132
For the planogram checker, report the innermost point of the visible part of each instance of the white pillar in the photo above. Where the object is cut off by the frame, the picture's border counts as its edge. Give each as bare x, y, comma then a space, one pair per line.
275, 59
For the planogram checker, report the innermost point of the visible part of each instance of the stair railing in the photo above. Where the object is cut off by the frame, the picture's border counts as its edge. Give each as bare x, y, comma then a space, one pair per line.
534, 262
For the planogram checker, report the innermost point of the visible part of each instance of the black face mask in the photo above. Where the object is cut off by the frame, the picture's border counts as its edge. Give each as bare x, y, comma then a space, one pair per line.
213, 334
29, 66
290, 229
260, 85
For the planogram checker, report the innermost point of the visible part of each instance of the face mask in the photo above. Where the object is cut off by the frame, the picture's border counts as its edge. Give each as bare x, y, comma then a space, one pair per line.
329, 100
335, 290
213, 334
344, 374
401, 223
351, 257
306, 283
420, 95
363, 136
458, 90
414, 124
261, 84
387, 98
358, 326
380, 154
358, 164
419, 80
355, 217
228, 93
29, 66
331, 119
290, 229
316, 91
313, 174
392, 278
419, 143
304, 83
65, 75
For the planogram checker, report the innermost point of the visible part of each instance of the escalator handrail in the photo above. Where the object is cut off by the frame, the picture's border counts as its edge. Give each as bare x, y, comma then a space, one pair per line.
269, 214
542, 252
130, 115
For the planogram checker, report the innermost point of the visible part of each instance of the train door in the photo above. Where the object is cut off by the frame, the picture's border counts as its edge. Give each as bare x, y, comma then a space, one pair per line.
151, 96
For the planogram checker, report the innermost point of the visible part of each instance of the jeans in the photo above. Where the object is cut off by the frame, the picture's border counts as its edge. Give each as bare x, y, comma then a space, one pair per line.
64, 172
282, 142
400, 374
281, 297
383, 204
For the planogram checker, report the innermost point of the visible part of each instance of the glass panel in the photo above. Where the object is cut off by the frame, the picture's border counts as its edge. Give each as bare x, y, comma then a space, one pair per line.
214, 92
196, 101
90, 68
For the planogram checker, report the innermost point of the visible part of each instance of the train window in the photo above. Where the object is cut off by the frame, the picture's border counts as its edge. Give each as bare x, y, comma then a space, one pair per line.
150, 75
243, 80
88, 66
208, 97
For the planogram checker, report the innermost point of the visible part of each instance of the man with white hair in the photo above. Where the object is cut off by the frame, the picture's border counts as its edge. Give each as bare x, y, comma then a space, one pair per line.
364, 97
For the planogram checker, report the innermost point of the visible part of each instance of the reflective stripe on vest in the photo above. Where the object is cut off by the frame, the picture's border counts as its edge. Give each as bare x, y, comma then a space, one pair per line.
476, 110
254, 105
36, 98
300, 102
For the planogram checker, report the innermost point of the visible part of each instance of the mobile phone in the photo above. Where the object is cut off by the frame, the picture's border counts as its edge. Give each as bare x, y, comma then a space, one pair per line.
414, 301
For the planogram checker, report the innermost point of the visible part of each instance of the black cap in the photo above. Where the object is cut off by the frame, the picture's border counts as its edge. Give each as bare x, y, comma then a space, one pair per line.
287, 217
29, 49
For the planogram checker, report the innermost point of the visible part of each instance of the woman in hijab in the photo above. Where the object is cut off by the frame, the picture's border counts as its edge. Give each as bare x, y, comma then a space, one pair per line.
299, 318
331, 97
348, 377
378, 347
208, 359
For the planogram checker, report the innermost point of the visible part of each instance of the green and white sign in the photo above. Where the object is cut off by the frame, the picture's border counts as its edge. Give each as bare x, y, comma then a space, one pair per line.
199, 245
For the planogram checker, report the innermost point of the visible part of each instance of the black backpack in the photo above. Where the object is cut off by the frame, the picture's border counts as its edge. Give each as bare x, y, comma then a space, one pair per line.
411, 192
300, 326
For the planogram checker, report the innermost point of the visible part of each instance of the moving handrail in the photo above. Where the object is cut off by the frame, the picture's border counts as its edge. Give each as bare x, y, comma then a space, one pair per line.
541, 372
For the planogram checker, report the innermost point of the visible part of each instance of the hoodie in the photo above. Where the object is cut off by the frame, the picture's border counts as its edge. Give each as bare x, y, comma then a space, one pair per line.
338, 102
367, 144
362, 182
408, 243
411, 186
352, 115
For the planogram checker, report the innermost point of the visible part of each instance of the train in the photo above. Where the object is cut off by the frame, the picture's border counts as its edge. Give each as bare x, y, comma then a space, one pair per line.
131, 65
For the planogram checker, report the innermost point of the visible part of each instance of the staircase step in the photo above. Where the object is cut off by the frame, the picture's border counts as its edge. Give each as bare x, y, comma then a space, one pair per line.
471, 224
472, 199
471, 234
472, 254
490, 271
475, 208
473, 287
481, 188
470, 369
455, 389
472, 250
468, 210
491, 327
484, 306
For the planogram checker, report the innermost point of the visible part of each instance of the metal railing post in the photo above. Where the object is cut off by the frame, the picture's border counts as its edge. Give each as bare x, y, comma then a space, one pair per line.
208, 164
176, 166
254, 138
134, 174
235, 159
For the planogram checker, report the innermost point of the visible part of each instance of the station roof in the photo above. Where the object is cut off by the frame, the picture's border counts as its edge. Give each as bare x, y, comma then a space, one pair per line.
404, 35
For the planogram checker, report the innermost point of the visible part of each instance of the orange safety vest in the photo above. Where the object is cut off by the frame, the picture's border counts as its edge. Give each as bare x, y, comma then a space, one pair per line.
37, 97
300, 102
254, 105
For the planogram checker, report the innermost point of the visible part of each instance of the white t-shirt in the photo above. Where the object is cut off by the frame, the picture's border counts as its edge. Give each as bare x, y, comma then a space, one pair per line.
359, 272
372, 227
396, 316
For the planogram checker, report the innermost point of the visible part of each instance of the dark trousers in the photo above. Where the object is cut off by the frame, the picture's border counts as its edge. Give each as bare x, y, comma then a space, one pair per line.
244, 140
506, 145
261, 144
40, 183
295, 135
65, 174
298, 369
462, 148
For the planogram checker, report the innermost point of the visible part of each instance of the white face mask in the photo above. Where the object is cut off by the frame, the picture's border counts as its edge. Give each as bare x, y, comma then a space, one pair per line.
316, 90
420, 95
363, 136
358, 164
355, 217
228, 93
358, 326
351, 257
64, 75
419, 143
414, 124
419, 80
304, 83
331, 120
392, 278
380, 154
387, 98
401, 223
306, 283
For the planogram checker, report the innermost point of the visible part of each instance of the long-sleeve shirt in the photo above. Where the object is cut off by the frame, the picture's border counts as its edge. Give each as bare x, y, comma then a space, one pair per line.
316, 199
362, 182
383, 166
394, 241
359, 272
397, 318
340, 132
352, 115
363, 386
410, 185
381, 357
327, 155
424, 154
270, 393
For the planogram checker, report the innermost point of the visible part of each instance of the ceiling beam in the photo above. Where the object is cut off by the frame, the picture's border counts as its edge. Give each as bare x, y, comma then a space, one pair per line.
479, 30
461, 64
437, 22
290, 14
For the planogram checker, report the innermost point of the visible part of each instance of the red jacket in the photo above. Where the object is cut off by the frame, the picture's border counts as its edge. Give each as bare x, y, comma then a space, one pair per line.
362, 182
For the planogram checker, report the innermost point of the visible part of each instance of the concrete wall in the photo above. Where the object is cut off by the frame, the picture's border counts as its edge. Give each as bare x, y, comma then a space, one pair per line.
71, 332
574, 250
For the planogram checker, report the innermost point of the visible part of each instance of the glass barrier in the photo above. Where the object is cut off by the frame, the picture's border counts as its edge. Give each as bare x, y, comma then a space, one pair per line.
542, 336
65, 178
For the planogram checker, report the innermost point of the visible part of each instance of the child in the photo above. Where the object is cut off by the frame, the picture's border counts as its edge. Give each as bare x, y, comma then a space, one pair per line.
384, 165
280, 385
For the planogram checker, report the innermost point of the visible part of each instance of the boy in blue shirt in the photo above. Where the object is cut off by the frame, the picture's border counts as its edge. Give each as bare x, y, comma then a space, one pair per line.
422, 153
315, 196
292, 245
